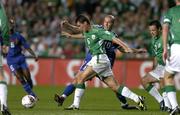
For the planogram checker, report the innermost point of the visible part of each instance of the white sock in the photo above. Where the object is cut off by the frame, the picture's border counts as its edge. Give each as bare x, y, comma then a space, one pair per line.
3, 93
172, 98
63, 95
154, 92
166, 100
77, 96
129, 94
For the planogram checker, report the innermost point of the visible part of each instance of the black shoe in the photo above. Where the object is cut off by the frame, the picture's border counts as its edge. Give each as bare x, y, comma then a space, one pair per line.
162, 105
59, 99
141, 103
72, 107
167, 109
5, 111
175, 111
129, 107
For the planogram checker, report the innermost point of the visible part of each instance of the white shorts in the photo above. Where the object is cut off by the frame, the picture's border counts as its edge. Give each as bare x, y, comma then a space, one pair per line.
101, 65
173, 65
1, 58
158, 72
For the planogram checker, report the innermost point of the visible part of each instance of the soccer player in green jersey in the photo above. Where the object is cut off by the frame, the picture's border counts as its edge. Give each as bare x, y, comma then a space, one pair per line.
171, 26
157, 72
110, 51
100, 64
4, 35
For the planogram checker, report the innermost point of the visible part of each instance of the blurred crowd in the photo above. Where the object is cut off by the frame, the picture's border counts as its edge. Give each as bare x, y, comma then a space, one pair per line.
38, 21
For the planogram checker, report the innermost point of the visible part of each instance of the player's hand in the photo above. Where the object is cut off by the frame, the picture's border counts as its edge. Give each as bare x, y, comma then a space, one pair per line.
141, 50
128, 50
63, 22
36, 58
5, 49
63, 33
165, 55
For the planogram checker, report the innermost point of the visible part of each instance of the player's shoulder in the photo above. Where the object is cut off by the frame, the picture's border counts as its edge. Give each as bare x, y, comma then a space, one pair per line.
97, 29
173, 10
98, 26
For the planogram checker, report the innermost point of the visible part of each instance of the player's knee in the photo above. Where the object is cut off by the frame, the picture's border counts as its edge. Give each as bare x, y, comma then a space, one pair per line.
114, 88
74, 81
145, 81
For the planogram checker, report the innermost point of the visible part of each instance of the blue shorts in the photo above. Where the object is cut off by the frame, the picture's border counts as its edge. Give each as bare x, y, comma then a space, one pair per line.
111, 56
18, 62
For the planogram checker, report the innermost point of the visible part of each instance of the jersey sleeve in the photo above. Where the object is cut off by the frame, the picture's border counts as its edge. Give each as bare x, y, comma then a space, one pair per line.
106, 35
4, 27
23, 42
167, 18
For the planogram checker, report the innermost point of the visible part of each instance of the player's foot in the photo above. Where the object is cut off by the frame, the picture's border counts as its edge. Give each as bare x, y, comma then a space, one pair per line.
162, 105
5, 110
59, 99
72, 107
175, 111
129, 107
167, 109
141, 103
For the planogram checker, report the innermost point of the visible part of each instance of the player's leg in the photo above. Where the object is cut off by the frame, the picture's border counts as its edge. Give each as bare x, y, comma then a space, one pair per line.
171, 90
3, 94
164, 95
122, 99
17, 71
147, 82
20, 76
68, 91
27, 75
112, 83
87, 74
171, 68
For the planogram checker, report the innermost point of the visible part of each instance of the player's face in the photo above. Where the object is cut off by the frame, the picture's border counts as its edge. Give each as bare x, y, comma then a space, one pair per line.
154, 31
107, 23
83, 26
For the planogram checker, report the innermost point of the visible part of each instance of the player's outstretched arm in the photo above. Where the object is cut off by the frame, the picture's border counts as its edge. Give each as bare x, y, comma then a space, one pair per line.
72, 28
32, 53
165, 31
141, 50
76, 36
125, 47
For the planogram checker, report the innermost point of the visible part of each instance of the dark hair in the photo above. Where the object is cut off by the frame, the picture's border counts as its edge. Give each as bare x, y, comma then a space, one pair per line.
156, 23
82, 18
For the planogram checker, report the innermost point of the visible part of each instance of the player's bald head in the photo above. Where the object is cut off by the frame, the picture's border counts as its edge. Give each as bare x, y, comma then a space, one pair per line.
111, 17
108, 22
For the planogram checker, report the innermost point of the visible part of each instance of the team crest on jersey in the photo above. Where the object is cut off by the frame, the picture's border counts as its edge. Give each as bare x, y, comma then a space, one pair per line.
107, 32
93, 37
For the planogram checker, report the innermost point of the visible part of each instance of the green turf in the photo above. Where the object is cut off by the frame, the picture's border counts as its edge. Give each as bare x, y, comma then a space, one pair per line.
97, 101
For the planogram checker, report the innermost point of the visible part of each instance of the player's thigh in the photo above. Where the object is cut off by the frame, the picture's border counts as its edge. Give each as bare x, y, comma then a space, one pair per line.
88, 73
1, 68
75, 80
18, 73
168, 78
26, 73
173, 64
111, 82
148, 78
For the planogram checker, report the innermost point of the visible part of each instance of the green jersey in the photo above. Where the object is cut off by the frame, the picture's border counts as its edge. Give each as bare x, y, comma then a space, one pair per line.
4, 27
157, 49
94, 40
172, 17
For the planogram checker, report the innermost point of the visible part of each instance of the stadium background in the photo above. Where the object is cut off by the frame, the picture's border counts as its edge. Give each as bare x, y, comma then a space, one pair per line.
60, 58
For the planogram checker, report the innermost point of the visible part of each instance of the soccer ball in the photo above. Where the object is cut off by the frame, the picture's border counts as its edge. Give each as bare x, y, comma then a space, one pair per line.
28, 101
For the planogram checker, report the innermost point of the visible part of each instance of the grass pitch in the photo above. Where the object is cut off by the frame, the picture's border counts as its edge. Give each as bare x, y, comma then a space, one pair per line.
96, 101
